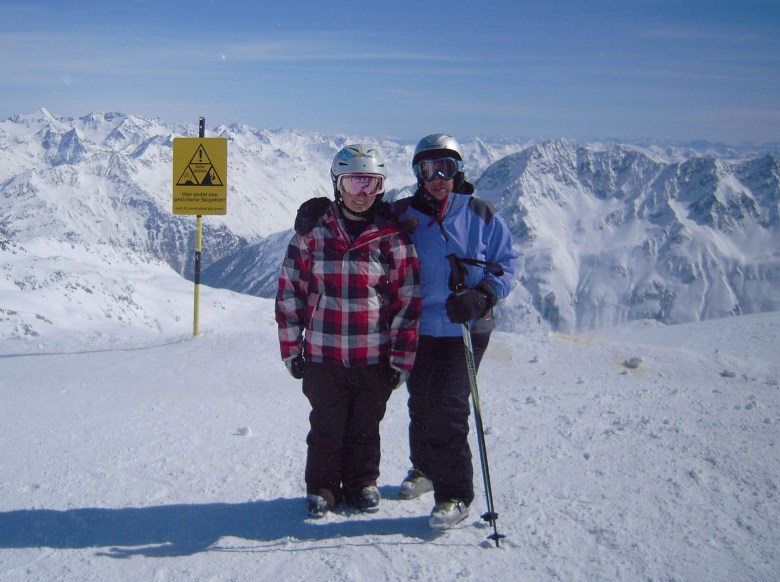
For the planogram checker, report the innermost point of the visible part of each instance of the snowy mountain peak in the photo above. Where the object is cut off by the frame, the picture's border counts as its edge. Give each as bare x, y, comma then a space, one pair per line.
607, 232
612, 234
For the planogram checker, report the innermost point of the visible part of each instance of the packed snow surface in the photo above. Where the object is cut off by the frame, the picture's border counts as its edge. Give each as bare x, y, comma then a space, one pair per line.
130, 453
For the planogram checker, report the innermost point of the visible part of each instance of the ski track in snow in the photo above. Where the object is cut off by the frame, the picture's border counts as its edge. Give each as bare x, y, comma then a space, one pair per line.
182, 458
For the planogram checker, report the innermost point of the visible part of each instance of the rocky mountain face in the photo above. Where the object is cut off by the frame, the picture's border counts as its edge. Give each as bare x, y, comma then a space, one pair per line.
606, 232
611, 234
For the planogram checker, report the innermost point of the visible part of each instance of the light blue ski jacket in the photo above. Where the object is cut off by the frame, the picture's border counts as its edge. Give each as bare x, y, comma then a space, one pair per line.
470, 228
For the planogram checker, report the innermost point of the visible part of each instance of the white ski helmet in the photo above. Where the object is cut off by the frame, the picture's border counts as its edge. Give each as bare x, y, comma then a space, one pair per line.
357, 159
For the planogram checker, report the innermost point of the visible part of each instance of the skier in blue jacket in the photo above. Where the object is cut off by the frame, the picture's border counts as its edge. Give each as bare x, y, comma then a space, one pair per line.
451, 222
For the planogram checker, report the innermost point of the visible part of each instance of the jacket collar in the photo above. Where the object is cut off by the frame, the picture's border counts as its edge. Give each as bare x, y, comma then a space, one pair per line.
377, 228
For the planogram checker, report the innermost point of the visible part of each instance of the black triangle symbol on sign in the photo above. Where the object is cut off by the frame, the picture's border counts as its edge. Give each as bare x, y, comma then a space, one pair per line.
200, 171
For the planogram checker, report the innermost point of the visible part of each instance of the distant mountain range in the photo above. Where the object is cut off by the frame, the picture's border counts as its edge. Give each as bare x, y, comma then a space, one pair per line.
607, 232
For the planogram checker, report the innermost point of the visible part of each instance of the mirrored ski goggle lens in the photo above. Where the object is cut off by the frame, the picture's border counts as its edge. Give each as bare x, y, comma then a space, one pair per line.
445, 168
354, 184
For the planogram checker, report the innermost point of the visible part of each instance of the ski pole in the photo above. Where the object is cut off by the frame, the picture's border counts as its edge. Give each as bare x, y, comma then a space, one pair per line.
491, 515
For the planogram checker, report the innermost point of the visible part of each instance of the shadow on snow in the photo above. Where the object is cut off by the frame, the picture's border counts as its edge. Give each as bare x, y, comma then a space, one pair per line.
179, 530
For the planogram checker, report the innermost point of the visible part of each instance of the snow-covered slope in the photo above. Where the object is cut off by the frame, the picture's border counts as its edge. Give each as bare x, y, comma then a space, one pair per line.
133, 451
647, 453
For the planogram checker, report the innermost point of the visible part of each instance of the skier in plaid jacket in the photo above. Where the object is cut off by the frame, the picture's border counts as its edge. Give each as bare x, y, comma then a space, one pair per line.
358, 302
347, 307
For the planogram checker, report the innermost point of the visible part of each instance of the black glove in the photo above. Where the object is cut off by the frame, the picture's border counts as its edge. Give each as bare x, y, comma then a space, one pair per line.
310, 212
296, 366
469, 304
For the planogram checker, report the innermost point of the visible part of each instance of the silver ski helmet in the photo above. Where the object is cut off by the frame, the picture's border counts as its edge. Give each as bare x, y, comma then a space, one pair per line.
436, 145
357, 159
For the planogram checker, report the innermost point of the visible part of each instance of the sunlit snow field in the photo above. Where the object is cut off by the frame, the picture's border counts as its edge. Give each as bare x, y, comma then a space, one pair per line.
134, 452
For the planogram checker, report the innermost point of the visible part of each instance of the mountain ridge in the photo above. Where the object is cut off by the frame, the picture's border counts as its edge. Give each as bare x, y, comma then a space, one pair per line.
607, 232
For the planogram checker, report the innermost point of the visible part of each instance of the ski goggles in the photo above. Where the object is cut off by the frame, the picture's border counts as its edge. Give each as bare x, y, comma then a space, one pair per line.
354, 184
444, 168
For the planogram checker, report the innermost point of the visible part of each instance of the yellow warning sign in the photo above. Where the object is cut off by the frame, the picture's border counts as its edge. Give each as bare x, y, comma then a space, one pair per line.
200, 175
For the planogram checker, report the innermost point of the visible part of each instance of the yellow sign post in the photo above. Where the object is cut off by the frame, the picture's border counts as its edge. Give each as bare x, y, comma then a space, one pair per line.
199, 187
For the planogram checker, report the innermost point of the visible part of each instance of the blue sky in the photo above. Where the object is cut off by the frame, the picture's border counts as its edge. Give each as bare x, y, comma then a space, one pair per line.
666, 69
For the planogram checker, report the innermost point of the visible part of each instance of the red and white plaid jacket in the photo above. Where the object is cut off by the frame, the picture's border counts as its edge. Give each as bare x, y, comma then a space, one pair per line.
353, 303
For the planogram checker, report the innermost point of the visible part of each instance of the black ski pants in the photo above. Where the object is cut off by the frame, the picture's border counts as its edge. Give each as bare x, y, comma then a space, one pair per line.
347, 405
439, 409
